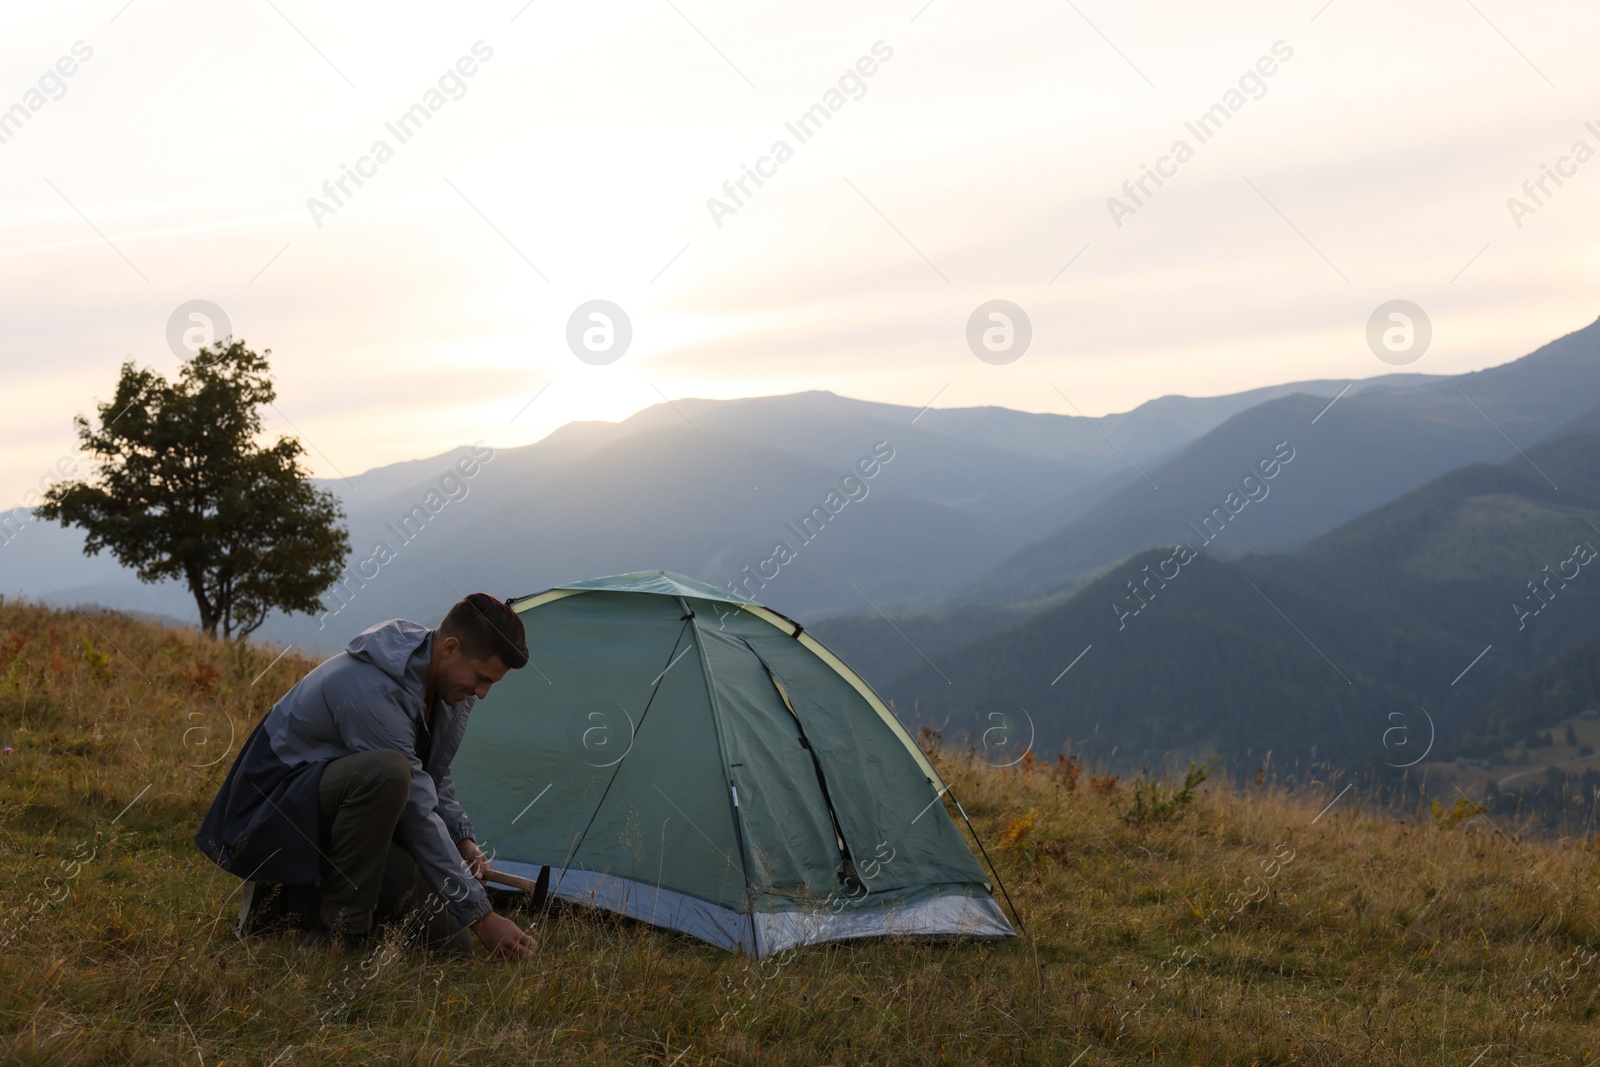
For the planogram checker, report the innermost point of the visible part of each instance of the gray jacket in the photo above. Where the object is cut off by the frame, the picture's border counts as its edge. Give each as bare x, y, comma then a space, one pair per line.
370, 696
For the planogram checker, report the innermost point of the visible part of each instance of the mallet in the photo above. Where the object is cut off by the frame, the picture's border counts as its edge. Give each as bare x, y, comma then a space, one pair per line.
527, 885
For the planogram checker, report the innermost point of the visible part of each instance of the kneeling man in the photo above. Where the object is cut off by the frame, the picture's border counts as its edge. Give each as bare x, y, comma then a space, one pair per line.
340, 805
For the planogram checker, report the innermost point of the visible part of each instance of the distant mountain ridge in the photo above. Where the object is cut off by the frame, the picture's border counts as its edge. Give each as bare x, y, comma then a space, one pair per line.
1431, 607
716, 488
1363, 450
965, 487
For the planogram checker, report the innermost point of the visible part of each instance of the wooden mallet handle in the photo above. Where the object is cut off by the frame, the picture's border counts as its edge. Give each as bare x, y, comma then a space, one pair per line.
527, 885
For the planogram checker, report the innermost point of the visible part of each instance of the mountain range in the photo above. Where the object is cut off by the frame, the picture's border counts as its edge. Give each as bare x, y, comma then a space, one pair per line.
1405, 626
962, 558
707, 488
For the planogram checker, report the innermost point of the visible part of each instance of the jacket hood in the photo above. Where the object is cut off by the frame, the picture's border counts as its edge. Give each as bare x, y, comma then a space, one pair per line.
389, 646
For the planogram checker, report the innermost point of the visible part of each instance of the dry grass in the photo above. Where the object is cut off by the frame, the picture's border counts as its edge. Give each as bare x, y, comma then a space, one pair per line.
1247, 930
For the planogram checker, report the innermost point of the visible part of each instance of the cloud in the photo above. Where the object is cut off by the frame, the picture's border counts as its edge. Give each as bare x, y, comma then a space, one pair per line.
584, 153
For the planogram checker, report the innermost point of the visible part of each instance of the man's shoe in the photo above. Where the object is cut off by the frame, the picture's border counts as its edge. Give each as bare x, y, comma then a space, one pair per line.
246, 896
267, 907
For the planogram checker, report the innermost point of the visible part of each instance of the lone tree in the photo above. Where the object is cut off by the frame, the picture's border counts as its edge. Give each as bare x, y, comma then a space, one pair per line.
182, 490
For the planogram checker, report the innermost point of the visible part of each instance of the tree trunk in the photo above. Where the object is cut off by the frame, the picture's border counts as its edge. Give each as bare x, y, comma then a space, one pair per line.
197, 587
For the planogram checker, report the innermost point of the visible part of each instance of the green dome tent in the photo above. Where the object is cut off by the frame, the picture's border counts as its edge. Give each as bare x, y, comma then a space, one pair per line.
699, 763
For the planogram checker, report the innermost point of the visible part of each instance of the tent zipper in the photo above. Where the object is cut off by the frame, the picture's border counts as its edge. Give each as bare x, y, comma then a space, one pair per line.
847, 870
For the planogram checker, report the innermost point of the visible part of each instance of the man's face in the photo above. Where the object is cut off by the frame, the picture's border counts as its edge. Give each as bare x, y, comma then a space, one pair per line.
460, 676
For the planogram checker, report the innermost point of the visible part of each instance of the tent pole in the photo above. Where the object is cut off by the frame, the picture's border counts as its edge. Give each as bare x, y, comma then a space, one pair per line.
1015, 914
727, 771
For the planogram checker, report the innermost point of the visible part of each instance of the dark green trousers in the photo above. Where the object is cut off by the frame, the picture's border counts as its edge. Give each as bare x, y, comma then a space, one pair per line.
367, 878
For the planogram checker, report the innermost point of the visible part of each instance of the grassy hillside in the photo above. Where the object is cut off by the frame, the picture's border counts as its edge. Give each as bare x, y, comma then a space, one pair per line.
1251, 926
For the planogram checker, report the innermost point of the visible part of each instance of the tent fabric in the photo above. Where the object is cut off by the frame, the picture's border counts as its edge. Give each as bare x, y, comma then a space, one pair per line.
937, 915
714, 771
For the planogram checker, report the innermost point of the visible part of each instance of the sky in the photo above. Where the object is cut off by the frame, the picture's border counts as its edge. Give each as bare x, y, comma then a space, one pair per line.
1359, 153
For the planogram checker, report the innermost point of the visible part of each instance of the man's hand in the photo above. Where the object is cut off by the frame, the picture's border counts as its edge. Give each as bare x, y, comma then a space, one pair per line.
502, 937
476, 861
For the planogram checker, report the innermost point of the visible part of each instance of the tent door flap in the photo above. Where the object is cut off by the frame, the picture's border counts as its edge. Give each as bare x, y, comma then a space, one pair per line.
847, 865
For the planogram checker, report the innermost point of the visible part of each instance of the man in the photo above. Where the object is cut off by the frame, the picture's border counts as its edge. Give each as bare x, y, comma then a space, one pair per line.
345, 786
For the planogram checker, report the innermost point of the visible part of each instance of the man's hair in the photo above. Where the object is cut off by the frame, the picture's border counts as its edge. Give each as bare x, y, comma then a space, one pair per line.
486, 626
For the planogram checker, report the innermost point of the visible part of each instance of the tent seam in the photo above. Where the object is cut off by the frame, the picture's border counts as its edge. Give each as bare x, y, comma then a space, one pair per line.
727, 776
856, 682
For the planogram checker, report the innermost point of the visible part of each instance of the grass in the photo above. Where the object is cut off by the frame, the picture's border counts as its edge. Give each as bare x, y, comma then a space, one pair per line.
1253, 926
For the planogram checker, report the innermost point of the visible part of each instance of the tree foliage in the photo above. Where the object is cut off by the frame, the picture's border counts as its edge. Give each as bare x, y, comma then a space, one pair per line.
182, 489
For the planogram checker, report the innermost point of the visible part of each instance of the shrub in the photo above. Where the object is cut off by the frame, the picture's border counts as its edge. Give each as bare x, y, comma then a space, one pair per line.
98, 661
1018, 831
1104, 784
1464, 809
1152, 803
1066, 772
